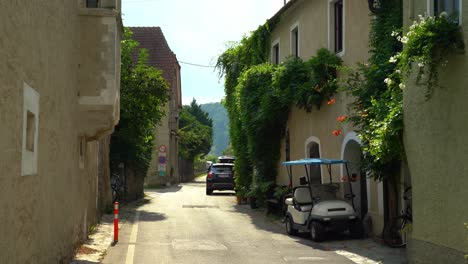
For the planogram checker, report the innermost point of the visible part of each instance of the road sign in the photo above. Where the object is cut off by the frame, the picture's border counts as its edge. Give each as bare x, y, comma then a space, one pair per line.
162, 148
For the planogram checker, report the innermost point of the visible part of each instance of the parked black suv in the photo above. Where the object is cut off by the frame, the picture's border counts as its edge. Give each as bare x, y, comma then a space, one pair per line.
220, 177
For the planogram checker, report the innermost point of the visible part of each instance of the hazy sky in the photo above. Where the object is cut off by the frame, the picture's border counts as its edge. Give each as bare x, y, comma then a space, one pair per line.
197, 31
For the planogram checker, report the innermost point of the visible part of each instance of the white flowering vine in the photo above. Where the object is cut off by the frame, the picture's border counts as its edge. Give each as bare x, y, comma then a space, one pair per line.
427, 44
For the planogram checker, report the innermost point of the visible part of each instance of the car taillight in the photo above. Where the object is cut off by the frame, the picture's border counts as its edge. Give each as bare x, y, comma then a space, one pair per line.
210, 175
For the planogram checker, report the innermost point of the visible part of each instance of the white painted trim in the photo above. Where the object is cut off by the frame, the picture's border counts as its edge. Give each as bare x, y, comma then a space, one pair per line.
331, 39
350, 136
293, 27
430, 10
430, 7
274, 43
313, 139
310, 140
29, 158
460, 18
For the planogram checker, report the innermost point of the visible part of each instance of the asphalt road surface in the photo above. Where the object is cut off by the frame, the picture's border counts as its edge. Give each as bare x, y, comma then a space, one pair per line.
183, 225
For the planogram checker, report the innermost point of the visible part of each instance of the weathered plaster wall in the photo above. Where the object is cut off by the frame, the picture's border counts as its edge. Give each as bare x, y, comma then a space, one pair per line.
44, 215
436, 148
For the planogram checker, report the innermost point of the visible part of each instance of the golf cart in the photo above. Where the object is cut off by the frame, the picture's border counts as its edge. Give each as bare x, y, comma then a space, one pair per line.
315, 208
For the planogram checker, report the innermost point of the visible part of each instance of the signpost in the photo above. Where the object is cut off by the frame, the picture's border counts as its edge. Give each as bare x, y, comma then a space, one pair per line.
162, 160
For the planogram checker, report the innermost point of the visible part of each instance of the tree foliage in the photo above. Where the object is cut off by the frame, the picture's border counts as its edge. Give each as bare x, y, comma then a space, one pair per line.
143, 94
195, 130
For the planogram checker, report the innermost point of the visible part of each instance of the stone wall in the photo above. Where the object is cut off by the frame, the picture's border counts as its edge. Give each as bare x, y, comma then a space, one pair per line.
46, 212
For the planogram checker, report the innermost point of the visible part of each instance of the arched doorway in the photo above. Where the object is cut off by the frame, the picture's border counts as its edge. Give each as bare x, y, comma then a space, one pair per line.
313, 151
352, 152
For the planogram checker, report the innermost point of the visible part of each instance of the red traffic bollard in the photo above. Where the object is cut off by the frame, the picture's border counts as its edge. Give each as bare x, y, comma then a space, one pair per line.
116, 222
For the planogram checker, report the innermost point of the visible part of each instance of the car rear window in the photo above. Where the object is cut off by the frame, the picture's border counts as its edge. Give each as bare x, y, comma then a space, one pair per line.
226, 161
221, 169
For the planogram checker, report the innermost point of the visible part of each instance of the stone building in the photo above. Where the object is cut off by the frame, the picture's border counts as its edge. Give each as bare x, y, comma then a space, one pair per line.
59, 100
164, 166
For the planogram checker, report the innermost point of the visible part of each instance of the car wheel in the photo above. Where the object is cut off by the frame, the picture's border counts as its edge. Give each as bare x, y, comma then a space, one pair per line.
356, 230
317, 232
209, 191
290, 226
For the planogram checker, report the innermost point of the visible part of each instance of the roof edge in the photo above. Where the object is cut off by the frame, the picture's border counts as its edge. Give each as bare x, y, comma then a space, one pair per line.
284, 9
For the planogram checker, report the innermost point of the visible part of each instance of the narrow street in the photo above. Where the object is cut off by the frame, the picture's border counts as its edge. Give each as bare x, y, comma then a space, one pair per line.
182, 225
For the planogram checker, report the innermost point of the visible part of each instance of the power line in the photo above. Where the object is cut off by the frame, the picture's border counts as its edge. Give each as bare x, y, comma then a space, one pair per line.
197, 65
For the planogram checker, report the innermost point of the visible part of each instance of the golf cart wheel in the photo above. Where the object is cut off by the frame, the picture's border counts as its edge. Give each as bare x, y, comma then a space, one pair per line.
209, 191
290, 226
317, 232
356, 229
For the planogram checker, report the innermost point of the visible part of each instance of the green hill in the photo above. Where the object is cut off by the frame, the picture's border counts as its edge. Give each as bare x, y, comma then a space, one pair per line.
218, 114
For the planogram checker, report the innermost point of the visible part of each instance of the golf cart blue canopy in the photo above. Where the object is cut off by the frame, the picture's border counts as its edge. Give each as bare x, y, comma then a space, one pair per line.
313, 162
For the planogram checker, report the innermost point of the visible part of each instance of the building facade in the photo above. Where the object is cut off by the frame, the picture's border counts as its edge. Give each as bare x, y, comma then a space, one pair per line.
59, 99
342, 27
436, 148
164, 166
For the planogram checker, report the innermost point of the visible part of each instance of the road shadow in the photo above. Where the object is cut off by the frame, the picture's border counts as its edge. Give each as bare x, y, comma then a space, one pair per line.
341, 243
84, 262
221, 193
164, 189
146, 216
195, 183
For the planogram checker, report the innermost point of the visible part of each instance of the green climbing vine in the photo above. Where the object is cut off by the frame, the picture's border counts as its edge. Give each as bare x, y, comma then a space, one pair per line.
258, 98
428, 44
378, 86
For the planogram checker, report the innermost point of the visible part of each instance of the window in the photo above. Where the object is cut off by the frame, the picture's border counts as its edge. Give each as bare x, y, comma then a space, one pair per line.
30, 130
295, 41
338, 25
288, 146
451, 7
29, 152
92, 3
275, 52
315, 170
81, 151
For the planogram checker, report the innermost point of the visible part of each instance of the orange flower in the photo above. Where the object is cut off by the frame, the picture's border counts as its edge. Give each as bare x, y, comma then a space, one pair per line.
332, 101
337, 132
342, 118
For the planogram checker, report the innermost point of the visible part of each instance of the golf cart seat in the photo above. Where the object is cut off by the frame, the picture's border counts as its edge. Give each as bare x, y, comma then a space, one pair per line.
303, 201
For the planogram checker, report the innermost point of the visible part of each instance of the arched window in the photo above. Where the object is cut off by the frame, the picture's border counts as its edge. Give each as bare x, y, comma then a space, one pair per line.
314, 170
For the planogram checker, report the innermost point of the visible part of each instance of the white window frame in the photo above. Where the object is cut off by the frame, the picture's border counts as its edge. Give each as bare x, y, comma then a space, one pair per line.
331, 28
31, 105
273, 44
294, 27
430, 10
